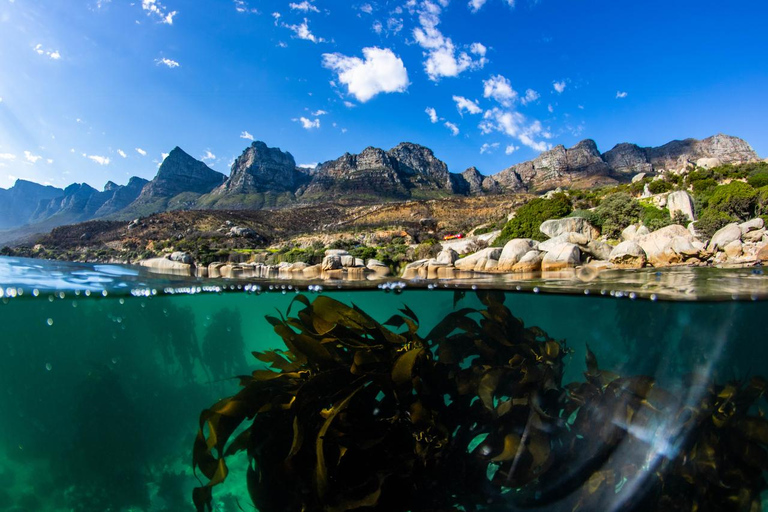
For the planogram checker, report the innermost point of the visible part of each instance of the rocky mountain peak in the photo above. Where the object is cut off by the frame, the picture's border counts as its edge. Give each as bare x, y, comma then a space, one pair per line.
261, 169
179, 173
110, 186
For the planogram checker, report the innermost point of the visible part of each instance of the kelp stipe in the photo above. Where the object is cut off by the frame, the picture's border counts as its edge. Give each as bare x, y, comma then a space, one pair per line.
355, 415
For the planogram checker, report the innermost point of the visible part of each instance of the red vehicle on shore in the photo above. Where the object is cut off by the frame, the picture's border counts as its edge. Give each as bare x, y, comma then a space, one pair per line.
454, 236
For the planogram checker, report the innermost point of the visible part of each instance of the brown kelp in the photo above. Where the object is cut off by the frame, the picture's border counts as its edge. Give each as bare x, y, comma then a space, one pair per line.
356, 414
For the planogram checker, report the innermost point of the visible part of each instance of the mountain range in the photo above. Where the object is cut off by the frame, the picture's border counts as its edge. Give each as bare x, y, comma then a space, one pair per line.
263, 177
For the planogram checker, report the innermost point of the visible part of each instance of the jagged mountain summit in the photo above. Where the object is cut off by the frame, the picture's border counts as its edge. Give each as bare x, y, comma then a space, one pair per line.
267, 177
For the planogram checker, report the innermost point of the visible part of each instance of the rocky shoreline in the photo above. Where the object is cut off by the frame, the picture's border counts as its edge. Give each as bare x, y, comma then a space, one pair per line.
573, 242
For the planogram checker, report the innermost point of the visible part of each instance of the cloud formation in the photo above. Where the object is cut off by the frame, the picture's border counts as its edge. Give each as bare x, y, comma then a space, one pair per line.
141, 152
379, 71
302, 32
620, 94
515, 125
242, 6
170, 63
559, 86
7, 156
101, 160
443, 59
122, 153
500, 89
465, 105
31, 158
308, 124
208, 155
488, 148
530, 96
156, 9
454, 129
52, 54
246, 135
305, 6
432, 113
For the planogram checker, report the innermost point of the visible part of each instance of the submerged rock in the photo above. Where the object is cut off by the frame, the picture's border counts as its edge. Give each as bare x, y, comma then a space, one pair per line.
561, 257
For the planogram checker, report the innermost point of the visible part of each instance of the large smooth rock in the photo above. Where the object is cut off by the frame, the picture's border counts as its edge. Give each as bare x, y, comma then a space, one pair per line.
167, 266
708, 162
347, 260
629, 232
561, 257
530, 262
336, 252
680, 201
555, 227
628, 254
751, 225
564, 238
332, 263
762, 253
447, 256
733, 249
513, 251
599, 250
471, 261
656, 244
724, 236
753, 236
181, 256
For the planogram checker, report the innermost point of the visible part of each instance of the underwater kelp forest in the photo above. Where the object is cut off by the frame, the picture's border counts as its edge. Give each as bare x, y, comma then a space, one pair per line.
122, 396
474, 415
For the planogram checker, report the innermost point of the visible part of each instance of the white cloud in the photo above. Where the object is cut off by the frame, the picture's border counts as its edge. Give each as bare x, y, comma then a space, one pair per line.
488, 148
443, 59
101, 160
476, 5
511, 149
277, 17
155, 8
380, 71
367, 8
167, 62
514, 125
163, 156
550, 108
1, 99
49, 161
313, 165
349, 104
500, 89
242, 6
559, 86
281, 44
31, 158
454, 129
308, 124
7, 156
432, 113
208, 155
305, 6
52, 54
302, 32
122, 153
394, 25
530, 97
246, 135
377, 27
141, 152
478, 49
319, 113
463, 104
620, 94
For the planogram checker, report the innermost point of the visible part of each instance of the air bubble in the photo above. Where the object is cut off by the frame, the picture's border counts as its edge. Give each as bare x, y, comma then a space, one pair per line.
122, 301
49, 321
48, 366
35, 292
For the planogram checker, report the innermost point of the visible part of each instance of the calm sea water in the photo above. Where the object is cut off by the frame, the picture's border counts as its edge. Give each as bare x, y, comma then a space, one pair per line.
106, 369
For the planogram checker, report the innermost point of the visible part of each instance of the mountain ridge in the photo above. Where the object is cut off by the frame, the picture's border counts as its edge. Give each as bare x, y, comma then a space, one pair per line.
266, 178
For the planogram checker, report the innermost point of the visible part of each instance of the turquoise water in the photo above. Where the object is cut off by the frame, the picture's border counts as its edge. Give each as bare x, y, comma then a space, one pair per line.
106, 369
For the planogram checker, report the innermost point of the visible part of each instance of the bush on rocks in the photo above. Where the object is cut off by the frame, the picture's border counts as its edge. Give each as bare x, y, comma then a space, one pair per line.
736, 199
529, 217
616, 212
711, 221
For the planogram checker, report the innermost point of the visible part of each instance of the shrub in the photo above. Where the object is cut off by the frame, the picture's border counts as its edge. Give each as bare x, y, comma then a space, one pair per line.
529, 217
659, 186
364, 252
758, 178
616, 212
655, 218
705, 186
761, 201
735, 199
711, 221
590, 215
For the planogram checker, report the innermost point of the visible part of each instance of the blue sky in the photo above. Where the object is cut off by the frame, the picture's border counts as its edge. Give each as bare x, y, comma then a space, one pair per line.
98, 90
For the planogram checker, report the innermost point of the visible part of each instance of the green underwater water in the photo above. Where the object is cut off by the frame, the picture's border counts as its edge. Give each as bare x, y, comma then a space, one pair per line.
100, 395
